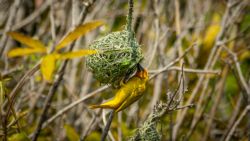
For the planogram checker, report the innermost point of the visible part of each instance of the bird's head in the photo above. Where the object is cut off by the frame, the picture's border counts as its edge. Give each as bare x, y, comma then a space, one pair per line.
141, 72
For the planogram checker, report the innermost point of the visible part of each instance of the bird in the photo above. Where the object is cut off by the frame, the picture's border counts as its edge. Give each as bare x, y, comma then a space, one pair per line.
128, 92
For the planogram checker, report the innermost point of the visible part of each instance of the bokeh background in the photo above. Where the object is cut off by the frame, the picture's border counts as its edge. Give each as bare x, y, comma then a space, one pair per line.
203, 95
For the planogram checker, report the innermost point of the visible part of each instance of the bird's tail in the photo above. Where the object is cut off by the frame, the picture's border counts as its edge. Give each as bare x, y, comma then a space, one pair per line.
101, 106
95, 106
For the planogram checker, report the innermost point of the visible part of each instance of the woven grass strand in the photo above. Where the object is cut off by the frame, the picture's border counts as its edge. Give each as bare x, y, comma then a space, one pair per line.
116, 58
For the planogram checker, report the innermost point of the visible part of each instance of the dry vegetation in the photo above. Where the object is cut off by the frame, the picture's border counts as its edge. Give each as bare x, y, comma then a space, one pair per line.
196, 51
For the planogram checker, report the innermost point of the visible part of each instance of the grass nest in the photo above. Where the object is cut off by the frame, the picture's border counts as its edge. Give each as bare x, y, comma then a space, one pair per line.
118, 55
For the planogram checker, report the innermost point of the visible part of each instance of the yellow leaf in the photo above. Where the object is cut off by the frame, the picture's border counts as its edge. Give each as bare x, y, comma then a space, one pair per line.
75, 54
212, 31
28, 41
244, 55
24, 51
48, 66
71, 133
77, 32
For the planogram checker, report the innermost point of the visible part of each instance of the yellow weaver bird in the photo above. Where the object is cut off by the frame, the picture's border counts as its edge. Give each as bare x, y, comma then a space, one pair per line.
128, 93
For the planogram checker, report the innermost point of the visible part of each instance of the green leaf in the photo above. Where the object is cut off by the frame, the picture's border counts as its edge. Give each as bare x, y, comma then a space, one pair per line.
28, 41
231, 87
77, 32
24, 51
48, 66
75, 54
93, 136
245, 23
71, 133
2, 93
19, 137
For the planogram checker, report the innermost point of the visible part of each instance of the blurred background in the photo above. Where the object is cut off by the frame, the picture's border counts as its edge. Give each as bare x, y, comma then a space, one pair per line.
201, 95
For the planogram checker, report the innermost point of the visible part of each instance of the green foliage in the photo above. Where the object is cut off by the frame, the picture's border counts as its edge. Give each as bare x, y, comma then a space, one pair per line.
231, 86
245, 23
94, 136
19, 137
71, 133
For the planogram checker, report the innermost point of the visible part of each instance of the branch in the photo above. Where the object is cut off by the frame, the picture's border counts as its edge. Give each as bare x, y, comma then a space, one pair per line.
130, 15
188, 70
19, 85
31, 17
52, 92
106, 129
247, 109
70, 106
238, 69
173, 62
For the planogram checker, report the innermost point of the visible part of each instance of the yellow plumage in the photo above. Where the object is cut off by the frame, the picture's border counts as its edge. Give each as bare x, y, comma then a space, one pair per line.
128, 93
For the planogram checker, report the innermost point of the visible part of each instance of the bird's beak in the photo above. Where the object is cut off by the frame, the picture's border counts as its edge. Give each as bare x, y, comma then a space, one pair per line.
140, 68
141, 72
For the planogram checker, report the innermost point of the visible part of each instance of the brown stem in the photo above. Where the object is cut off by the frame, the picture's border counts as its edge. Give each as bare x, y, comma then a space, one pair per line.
49, 98
53, 89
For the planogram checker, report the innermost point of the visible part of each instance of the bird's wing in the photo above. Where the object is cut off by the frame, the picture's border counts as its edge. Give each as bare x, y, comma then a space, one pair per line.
135, 94
130, 100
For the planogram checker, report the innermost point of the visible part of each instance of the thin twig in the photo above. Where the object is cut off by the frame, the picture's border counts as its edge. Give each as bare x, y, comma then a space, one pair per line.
243, 83
90, 126
16, 120
8, 26
216, 102
119, 129
31, 17
197, 117
106, 129
172, 62
213, 56
104, 119
238, 69
51, 94
19, 85
183, 107
52, 22
188, 70
70, 106
156, 41
4, 122
130, 15
12, 109
48, 101
236, 111
247, 109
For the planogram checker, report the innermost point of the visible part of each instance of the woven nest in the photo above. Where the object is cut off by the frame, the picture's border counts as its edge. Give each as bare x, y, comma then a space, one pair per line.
117, 57
147, 133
